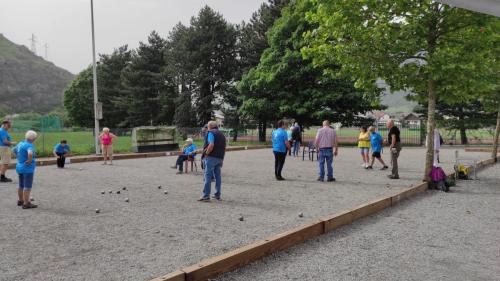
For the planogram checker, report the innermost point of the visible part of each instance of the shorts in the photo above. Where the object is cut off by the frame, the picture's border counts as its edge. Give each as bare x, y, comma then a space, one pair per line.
107, 149
376, 154
5, 155
364, 150
26, 181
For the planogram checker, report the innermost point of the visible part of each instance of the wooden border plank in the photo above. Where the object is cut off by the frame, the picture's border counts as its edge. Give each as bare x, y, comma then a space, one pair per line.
174, 276
409, 192
240, 257
370, 208
337, 220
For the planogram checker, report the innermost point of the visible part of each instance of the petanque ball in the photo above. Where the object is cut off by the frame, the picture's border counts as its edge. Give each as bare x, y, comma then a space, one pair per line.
102, 192
118, 192
97, 211
166, 192
124, 188
126, 200
110, 191
301, 215
241, 218
159, 187
80, 169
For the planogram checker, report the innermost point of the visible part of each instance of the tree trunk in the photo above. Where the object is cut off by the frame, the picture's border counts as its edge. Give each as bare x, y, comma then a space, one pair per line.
463, 135
495, 140
236, 129
431, 125
262, 130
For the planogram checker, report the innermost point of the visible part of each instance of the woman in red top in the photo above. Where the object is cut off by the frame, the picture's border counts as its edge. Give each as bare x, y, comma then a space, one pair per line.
106, 139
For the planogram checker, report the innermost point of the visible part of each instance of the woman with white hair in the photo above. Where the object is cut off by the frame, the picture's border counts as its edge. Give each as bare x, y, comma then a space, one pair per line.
106, 138
188, 150
25, 168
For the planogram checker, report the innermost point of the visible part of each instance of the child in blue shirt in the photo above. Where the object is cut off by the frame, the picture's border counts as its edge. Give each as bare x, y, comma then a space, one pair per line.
188, 150
25, 168
61, 151
376, 141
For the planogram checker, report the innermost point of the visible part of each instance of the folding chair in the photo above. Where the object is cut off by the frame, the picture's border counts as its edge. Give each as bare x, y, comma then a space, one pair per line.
311, 150
190, 160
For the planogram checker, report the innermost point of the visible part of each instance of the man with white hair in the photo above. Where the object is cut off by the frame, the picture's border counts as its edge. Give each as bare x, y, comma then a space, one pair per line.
5, 143
25, 168
394, 140
188, 150
214, 151
326, 143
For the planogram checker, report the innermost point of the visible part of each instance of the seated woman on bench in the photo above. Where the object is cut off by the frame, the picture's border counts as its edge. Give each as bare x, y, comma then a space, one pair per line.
188, 150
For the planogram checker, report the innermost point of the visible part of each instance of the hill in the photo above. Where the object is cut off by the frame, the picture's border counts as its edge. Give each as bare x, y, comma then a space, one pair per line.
397, 102
28, 83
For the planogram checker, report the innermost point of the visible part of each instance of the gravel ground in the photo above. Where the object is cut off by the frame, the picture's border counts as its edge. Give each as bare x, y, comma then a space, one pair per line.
156, 233
435, 236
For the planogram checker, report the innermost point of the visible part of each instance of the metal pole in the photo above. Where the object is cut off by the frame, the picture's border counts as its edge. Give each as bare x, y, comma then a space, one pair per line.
94, 73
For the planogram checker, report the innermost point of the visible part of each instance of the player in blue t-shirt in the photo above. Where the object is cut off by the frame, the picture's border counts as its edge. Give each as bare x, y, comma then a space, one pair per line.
188, 150
25, 168
376, 142
280, 147
5, 143
61, 151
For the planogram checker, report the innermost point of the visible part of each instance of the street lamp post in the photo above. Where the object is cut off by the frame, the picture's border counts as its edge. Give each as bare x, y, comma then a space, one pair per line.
94, 74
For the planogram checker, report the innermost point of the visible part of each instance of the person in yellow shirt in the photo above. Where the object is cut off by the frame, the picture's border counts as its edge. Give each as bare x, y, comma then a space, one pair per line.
364, 146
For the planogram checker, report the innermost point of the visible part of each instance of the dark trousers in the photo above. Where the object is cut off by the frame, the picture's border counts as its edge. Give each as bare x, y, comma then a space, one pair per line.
180, 161
61, 159
279, 162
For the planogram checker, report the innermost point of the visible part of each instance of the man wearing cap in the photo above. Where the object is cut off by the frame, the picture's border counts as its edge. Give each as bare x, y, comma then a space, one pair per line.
5, 143
188, 149
214, 151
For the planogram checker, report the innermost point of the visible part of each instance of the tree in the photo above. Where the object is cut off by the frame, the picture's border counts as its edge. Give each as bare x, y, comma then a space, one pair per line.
421, 46
212, 58
149, 94
110, 87
284, 84
461, 117
79, 101
251, 45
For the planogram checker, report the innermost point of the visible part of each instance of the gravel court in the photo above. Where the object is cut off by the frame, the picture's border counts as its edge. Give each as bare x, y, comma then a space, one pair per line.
156, 233
435, 236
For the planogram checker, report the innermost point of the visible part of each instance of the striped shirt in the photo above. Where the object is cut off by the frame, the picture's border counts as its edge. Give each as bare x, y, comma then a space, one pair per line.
325, 138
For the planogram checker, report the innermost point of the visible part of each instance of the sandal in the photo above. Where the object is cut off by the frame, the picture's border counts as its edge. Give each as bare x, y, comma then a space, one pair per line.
29, 206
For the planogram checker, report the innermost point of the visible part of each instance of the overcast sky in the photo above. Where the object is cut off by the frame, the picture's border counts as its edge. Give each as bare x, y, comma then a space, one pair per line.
64, 25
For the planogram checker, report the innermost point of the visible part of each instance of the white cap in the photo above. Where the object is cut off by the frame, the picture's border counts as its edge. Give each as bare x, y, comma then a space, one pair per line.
189, 140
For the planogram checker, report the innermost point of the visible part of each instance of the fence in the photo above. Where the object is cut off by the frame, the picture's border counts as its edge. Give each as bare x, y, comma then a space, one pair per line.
81, 140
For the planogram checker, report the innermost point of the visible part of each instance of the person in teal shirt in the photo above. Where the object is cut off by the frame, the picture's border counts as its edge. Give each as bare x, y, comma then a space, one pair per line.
61, 151
376, 141
188, 150
25, 168
5, 143
280, 147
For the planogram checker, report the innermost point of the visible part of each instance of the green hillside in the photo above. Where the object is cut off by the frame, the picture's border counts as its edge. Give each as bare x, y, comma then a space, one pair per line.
27, 81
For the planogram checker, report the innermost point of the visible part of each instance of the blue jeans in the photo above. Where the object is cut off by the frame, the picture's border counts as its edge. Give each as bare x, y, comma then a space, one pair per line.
296, 147
325, 155
212, 168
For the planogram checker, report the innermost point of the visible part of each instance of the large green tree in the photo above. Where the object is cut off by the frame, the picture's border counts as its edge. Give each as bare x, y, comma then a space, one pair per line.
149, 93
284, 84
251, 45
79, 100
422, 46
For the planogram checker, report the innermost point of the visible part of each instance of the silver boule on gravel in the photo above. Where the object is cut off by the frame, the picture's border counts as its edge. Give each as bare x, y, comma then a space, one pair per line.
301, 215
165, 192
103, 192
124, 188
110, 191
241, 218
97, 211
118, 192
126, 200
159, 187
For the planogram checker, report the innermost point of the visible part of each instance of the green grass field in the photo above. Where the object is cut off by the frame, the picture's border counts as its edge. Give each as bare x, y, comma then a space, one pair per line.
82, 142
